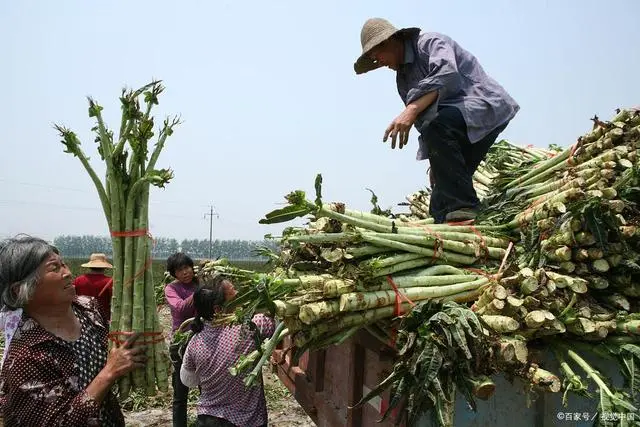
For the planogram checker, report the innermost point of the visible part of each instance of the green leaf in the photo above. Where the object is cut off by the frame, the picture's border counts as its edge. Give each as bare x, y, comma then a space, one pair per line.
401, 391
379, 389
297, 197
409, 340
432, 358
159, 178
632, 374
442, 317
318, 187
377, 210
447, 334
285, 214
631, 348
605, 406
630, 355
458, 335
94, 109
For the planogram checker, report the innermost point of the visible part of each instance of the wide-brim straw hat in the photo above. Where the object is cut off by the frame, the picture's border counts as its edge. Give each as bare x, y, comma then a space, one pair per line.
374, 32
97, 261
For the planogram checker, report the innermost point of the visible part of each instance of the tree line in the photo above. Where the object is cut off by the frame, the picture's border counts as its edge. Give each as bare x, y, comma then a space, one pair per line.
83, 246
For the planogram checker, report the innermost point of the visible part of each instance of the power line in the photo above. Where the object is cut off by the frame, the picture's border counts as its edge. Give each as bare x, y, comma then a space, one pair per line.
9, 203
78, 190
51, 205
48, 187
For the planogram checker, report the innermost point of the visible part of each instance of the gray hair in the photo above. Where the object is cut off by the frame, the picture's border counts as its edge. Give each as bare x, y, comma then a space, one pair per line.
20, 258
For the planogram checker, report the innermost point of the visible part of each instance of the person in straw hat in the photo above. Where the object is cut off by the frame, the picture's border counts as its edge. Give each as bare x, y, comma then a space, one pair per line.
96, 284
456, 107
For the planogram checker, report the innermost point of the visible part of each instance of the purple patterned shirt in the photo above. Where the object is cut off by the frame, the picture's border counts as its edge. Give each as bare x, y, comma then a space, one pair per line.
206, 362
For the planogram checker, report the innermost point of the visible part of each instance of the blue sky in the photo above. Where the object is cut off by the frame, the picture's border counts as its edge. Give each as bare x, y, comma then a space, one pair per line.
269, 98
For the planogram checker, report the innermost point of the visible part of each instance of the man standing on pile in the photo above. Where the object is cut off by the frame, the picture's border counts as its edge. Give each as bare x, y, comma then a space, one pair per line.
457, 108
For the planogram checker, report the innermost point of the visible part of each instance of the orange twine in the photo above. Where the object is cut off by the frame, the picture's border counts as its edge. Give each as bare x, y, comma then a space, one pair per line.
437, 244
113, 336
143, 232
397, 311
136, 233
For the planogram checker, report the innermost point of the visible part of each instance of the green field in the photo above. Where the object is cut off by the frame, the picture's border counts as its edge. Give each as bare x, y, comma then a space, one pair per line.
160, 265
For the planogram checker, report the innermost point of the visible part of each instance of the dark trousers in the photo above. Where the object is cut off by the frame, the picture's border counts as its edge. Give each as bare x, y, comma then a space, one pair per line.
453, 159
180, 392
211, 421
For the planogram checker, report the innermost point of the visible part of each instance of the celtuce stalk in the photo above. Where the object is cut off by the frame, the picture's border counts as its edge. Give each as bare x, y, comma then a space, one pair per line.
124, 197
367, 300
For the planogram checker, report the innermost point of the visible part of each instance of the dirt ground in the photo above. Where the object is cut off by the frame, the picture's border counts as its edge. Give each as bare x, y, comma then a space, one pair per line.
283, 409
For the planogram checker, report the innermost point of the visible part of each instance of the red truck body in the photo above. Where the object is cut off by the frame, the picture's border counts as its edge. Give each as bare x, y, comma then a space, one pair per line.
328, 382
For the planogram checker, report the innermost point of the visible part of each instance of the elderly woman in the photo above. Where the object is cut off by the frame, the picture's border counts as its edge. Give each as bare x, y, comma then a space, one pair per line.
57, 370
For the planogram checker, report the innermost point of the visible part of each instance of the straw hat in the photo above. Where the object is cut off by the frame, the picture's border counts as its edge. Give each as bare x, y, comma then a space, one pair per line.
374, 32
97, 261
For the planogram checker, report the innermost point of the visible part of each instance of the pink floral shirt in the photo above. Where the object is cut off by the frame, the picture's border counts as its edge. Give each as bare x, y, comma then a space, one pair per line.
40, 383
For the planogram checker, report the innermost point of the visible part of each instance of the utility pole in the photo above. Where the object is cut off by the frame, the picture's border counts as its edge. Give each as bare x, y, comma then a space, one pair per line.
211, 214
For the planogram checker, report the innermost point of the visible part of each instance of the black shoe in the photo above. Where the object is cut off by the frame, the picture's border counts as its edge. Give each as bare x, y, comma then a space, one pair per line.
464, 214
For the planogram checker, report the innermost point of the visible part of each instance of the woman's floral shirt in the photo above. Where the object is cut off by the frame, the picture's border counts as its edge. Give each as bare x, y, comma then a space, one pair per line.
39, 383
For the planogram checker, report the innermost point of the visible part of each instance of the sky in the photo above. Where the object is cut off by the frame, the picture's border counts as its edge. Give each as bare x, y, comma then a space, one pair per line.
268, 98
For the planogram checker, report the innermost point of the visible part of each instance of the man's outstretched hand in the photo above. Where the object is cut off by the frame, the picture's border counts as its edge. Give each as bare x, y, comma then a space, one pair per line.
400, 127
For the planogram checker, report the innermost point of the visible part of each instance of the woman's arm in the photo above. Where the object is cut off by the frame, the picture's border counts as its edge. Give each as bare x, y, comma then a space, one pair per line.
188, 374
181, 306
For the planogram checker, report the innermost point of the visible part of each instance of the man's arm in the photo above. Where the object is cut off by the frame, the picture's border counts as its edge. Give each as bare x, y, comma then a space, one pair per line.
442, 69
442, 79
401, 126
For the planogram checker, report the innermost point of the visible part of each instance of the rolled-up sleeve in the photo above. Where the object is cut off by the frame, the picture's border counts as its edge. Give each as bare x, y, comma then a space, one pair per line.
442, 69
188, 374
182, 307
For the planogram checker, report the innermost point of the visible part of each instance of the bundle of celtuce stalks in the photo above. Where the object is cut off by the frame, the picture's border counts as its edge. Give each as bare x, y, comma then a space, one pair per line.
505, 156
551, 264
130, 164
418, 203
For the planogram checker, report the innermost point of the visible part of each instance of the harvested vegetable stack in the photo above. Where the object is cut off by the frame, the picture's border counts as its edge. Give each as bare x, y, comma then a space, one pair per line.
458, 301
577, 251
502, 156
124, 195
